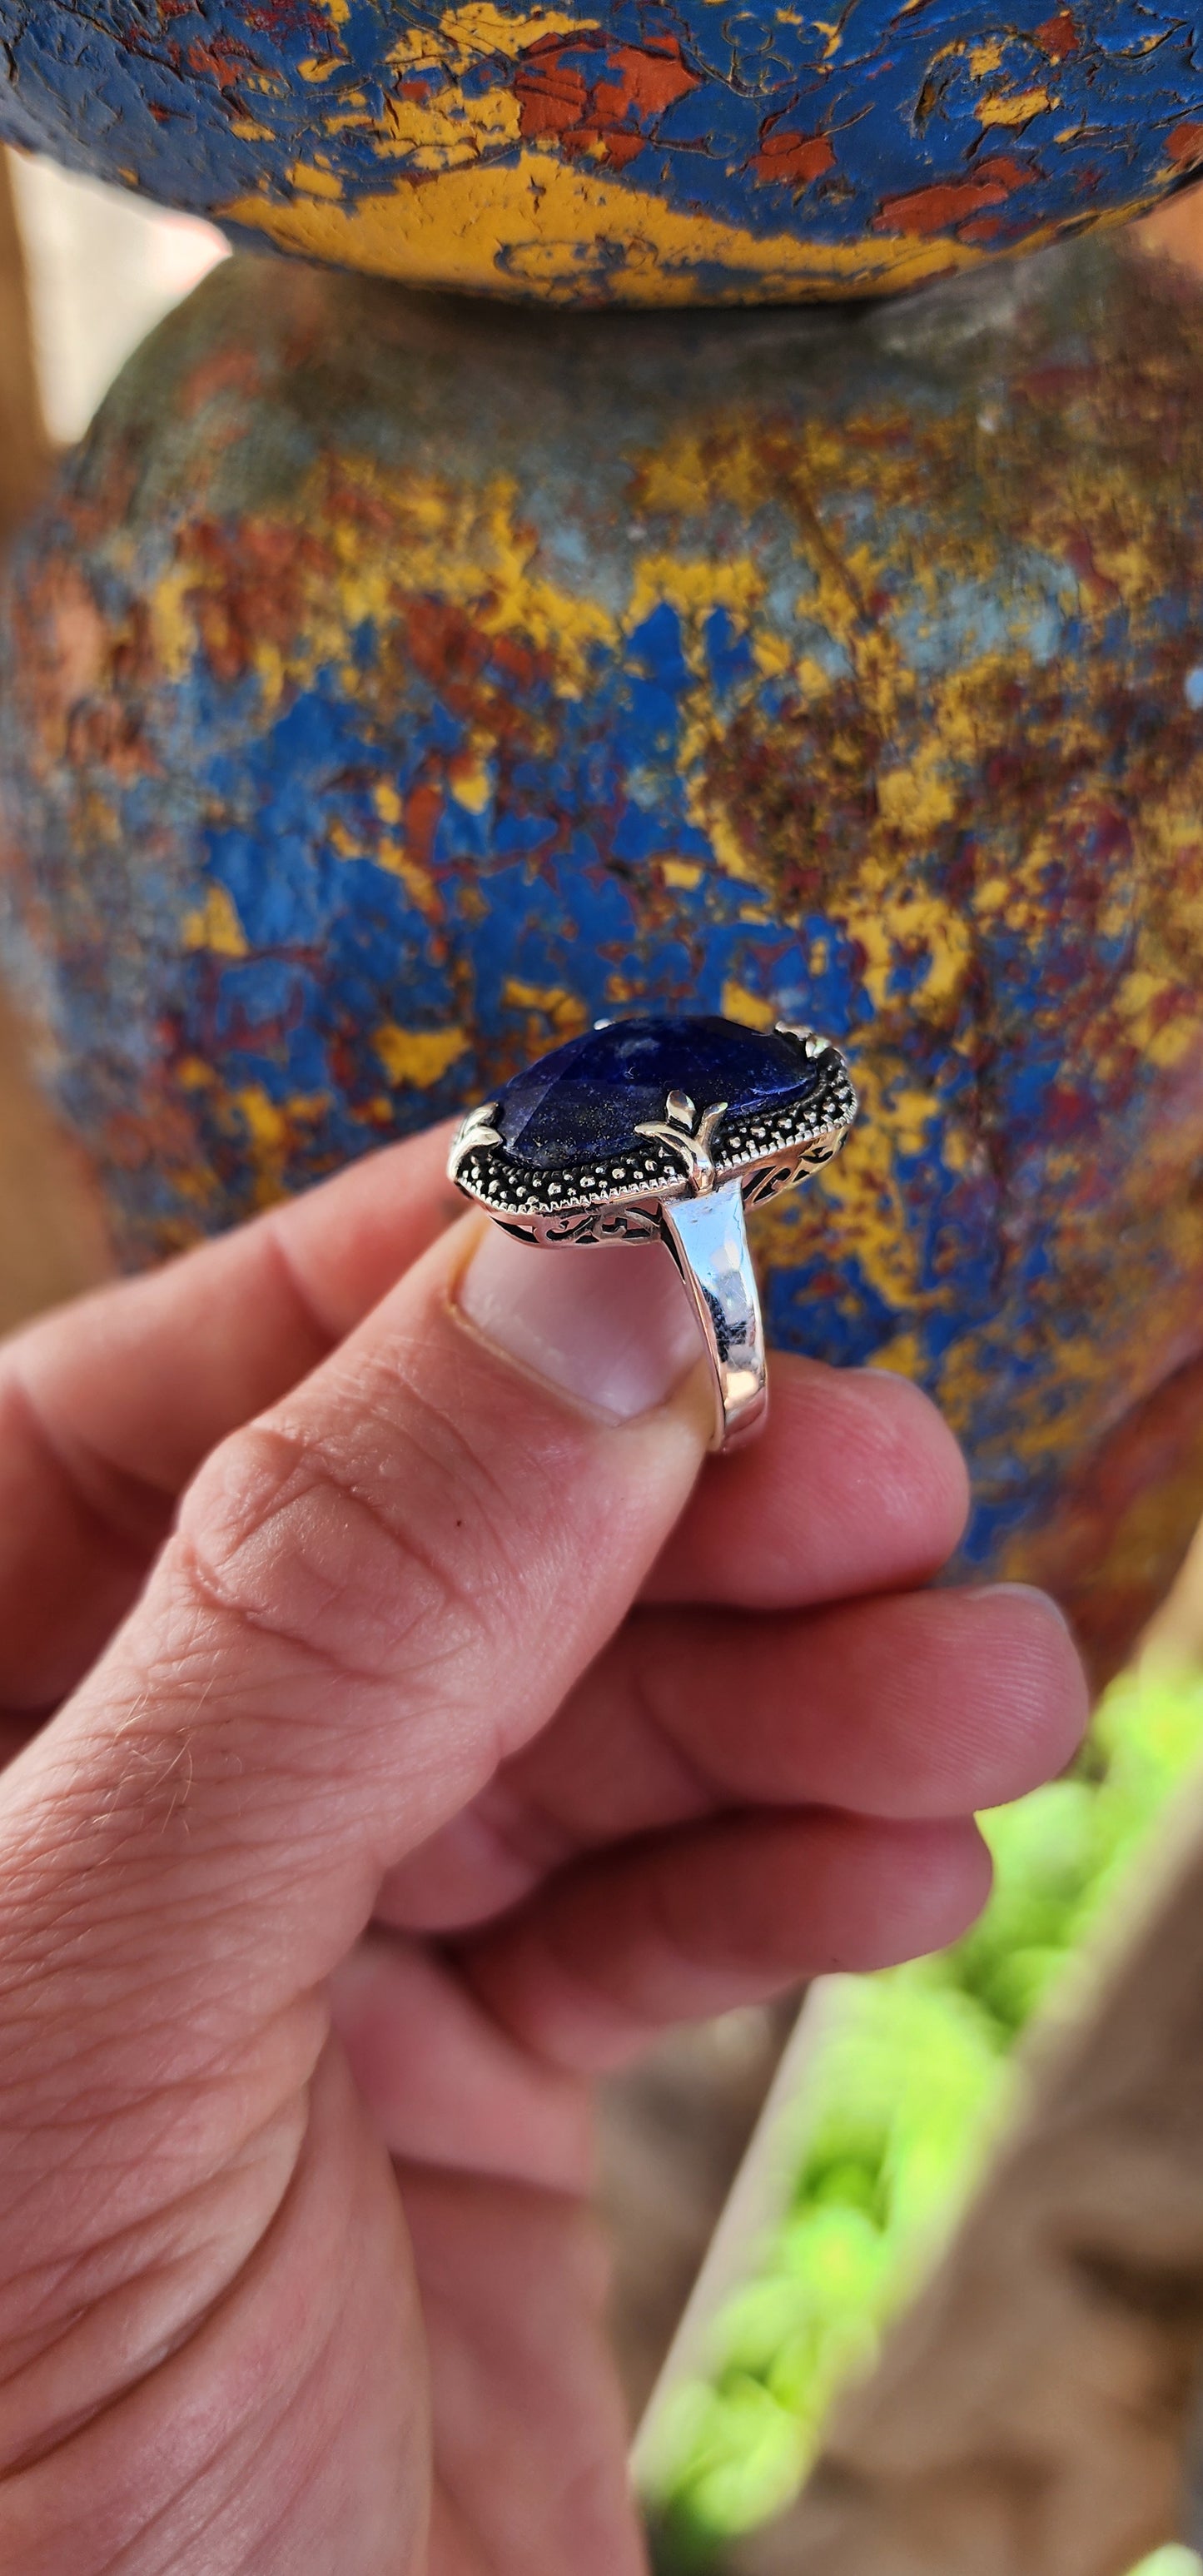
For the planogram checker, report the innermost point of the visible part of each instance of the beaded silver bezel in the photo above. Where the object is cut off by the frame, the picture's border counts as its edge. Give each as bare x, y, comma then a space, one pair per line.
684, 1154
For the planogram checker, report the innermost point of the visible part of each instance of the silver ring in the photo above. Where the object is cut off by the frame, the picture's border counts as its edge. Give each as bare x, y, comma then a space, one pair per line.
665, 1129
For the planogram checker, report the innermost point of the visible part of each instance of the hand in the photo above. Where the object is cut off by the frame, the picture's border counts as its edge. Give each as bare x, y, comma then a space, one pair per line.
431, 1727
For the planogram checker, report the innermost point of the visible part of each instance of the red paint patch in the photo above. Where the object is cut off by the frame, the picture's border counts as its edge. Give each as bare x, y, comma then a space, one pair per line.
616, 111
1055, 385
232, 370
936, 210
1185, 144
552, 97
621, 148
787, 154
1079, 555
284, 18
423, 814
1058, 37
222, 60
248, 589
647, 78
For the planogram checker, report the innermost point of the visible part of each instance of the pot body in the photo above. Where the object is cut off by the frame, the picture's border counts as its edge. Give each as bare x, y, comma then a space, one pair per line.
393, 687
626, 154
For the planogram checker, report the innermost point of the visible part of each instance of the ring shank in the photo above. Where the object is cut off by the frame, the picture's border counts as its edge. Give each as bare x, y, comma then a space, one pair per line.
708, 1239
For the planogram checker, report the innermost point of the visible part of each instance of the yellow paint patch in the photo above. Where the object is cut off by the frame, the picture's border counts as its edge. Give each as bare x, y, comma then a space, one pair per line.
434, 136
1174, 1040
772, 655
563, 1011
813, 681
418, 881
570, 235
216, 926
724, 835
1164, 1036
269, 1129
434, 129
682, 471
417, 1057
172, 626
1015, 107
481, 27
749, 1008
460, 544
904, 1356
913, 1112
472, 785
917, 800
685, 873
267, 1123
695, 588
313, 181
193, 1074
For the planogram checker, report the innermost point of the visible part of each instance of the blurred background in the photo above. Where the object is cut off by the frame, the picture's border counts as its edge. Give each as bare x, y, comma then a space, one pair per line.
85, 273
892, 2087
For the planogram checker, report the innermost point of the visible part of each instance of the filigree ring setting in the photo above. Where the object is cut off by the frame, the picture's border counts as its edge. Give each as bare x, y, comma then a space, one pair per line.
665, 1129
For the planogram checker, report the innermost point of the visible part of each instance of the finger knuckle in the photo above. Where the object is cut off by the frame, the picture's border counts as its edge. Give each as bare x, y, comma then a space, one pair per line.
358, 1552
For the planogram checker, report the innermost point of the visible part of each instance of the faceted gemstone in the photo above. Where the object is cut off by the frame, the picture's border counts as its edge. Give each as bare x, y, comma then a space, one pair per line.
588, 1098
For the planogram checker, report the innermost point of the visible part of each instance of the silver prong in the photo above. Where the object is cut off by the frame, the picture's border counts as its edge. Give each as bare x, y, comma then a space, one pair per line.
477, 1130
810, 1040
677, 1130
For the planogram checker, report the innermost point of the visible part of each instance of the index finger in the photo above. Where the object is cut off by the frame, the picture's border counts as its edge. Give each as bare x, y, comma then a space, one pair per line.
108, 1405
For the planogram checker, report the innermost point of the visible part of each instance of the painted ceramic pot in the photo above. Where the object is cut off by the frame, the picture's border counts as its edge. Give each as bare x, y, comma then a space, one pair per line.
396, 686
627, 154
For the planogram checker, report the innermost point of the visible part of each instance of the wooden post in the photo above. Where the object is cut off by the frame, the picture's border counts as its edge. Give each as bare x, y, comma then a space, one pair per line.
24, 446
1031, 2414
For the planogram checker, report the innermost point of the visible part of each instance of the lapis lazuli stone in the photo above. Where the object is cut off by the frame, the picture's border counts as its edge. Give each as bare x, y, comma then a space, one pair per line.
588, 1099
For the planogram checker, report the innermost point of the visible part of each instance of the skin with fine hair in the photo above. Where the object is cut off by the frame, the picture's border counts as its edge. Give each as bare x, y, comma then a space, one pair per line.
405, 1721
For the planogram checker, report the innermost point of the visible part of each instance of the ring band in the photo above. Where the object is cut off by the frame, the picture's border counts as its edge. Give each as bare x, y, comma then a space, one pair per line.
708, 1240
665, 1128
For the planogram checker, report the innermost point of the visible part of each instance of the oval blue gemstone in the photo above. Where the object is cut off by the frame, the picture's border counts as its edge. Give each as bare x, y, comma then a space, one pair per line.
589, 1097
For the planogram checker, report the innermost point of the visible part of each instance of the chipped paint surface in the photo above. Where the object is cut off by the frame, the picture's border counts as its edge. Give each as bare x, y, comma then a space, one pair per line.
397, 686
625, 151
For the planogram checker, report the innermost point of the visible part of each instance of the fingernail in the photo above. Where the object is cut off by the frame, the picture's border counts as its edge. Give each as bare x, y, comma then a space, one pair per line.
610, 1325
1019, 1592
